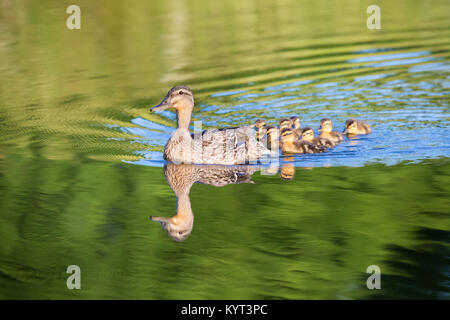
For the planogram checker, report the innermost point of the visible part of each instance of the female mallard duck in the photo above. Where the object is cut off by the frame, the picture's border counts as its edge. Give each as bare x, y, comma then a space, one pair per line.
216, 146
354, 127
290, 145
308, 135
326, 129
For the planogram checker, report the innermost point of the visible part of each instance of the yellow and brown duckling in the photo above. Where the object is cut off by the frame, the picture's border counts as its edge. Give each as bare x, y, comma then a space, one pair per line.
296, 126
326, 129
290, 145
284, 124
273, 138
260, 126
354, 127
308, 135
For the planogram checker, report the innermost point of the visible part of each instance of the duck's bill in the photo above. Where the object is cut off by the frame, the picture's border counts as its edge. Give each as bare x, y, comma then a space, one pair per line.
161, 220
160, 107
320, 129
345, 131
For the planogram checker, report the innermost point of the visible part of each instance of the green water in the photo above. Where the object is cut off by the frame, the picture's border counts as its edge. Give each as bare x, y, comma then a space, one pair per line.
81, 167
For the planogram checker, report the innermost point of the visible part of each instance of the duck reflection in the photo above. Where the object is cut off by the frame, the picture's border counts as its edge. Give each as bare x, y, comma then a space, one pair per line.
181, 177
287, 171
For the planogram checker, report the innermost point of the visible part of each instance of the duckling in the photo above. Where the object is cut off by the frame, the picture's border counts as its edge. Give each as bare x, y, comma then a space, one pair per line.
273, 138
284, 123
295, 123
290, 145
308, 135
354, 127
260, 126
326, 129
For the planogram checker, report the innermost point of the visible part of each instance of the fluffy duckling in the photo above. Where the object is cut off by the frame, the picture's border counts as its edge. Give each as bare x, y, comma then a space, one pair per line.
284, 123
273, 138
354, 127
308, 135
326, 129
290, 145
260, 126
296, 127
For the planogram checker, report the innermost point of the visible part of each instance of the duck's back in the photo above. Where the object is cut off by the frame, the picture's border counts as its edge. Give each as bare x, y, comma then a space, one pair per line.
325, 142
216, 146
363, 127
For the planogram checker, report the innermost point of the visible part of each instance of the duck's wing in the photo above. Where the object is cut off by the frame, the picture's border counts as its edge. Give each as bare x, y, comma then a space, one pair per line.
309, 147
366, 127
229, 145
337, 136
327, 143
231, 133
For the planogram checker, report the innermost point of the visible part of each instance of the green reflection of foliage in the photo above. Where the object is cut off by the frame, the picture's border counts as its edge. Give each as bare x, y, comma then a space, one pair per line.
312, 237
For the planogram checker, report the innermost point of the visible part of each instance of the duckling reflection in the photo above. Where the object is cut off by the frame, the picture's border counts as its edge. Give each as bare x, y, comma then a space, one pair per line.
181, 177
287, 171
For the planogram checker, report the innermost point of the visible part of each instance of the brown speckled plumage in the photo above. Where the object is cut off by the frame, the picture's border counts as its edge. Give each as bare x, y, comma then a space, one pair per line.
228, 146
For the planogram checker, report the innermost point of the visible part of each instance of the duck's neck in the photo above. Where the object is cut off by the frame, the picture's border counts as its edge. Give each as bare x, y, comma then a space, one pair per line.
183, 205
183, 119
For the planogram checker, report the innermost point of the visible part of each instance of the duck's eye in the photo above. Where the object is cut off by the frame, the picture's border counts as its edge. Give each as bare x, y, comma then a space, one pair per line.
181, 92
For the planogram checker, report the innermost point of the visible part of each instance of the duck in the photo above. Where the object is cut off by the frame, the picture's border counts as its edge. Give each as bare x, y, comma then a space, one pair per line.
308, 135
286, 123
226, 146
326, 131
296, 126
356, 127
260, 127
289, 145
273, 138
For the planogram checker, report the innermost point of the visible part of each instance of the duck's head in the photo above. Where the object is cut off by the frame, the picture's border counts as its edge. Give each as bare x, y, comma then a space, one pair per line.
350, 126
307, 134
285, 123
272, 133
287, 136
179, 227
326, 125
260, 124
179, 97
295, 122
